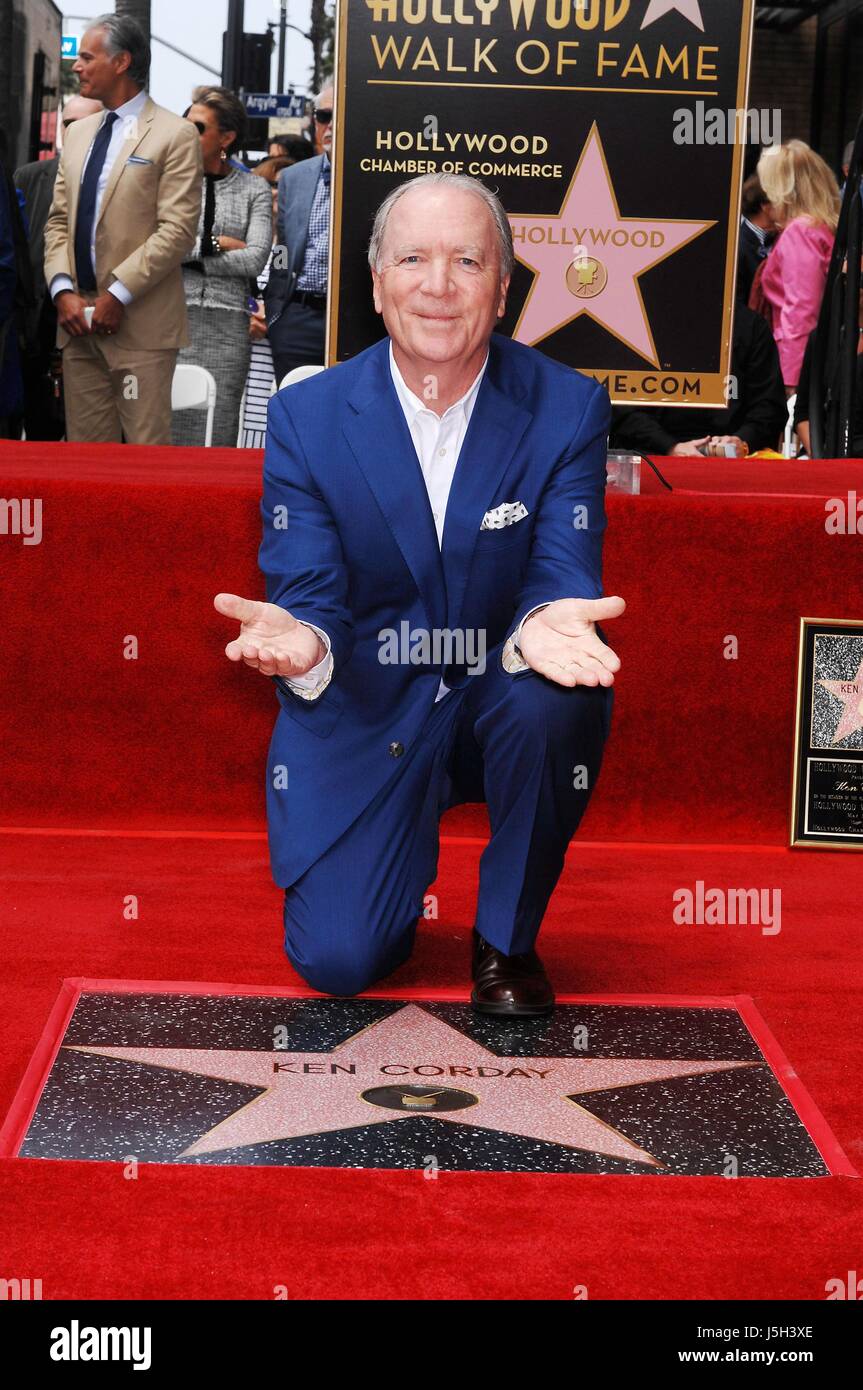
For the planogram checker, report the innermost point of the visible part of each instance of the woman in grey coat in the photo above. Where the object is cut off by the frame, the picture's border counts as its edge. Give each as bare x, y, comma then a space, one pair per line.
234, 243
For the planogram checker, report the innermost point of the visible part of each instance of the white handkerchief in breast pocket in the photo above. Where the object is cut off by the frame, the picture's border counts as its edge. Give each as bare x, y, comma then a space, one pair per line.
507, 514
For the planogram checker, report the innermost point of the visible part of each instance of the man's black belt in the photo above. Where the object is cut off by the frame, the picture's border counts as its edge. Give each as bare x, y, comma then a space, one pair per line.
313, 301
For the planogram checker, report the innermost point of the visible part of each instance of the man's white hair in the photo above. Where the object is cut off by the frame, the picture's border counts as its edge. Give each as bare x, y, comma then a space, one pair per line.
467, 185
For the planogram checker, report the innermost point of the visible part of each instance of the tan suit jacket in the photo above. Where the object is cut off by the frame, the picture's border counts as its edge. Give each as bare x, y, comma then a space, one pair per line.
148, 222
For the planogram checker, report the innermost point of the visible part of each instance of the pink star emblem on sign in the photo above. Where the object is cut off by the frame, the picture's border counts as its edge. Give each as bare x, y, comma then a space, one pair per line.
413, 1051
588, 259
690, 9
850, 694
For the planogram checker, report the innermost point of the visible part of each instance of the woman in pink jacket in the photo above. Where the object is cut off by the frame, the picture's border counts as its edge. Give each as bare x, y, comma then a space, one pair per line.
804, 196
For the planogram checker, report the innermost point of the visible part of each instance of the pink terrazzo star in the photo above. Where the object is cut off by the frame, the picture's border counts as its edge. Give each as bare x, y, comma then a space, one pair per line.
850, 693
532, 1101
622, 248
690, 9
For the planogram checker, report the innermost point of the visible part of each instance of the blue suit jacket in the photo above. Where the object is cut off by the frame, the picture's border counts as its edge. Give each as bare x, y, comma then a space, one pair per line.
297, 186
360, 554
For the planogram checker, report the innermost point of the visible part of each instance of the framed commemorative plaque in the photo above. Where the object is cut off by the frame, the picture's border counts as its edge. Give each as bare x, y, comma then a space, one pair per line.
827, 797
613, 132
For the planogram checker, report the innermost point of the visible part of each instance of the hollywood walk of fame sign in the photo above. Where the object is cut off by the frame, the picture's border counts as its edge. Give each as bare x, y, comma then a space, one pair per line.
827, 795
576, 114
210, 1074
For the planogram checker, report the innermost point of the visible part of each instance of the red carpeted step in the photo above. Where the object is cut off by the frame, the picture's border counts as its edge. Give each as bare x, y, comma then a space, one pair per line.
701, 747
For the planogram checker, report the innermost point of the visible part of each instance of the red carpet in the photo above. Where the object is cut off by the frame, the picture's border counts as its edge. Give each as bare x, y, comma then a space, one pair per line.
207, 910
700, 758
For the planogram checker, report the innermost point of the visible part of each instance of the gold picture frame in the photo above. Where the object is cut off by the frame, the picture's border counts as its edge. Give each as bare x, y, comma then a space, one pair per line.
827, 782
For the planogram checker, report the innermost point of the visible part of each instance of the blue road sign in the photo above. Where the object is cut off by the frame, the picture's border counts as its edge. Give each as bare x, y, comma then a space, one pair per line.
68, 47
261, 104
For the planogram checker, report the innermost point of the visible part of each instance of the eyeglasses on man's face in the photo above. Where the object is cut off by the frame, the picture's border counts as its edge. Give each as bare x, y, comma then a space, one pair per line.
324, 115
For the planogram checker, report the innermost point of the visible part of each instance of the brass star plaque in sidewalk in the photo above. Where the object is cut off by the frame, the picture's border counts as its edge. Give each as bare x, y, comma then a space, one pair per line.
197, 1073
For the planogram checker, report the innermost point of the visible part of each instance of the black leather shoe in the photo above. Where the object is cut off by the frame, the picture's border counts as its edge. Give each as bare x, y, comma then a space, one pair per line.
509, 986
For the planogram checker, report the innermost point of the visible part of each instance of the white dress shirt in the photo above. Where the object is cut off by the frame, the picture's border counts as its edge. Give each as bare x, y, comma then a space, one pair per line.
438, 440
128, 115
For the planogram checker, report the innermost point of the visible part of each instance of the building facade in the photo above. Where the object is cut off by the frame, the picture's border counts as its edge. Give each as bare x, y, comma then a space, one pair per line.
31, 32
808, 62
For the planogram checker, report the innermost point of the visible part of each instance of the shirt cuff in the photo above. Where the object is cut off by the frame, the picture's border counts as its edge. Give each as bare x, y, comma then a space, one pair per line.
61, 283
119, 291
511, 658
313, 684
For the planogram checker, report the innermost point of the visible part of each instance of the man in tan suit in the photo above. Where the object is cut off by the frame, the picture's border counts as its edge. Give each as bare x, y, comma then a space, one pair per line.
124, 218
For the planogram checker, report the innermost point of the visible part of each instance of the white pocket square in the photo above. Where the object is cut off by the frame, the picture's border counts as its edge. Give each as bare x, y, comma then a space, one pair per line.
504, 515
137, 159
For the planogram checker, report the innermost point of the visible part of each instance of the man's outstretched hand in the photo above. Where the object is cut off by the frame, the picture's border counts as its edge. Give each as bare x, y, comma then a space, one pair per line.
561, 643
270, 640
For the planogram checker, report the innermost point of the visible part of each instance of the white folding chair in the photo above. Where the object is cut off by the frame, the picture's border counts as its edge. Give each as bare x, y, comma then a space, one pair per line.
789, 448
194, 388
299, 374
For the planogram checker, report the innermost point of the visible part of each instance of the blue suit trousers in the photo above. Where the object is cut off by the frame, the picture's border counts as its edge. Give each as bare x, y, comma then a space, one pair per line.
530, 749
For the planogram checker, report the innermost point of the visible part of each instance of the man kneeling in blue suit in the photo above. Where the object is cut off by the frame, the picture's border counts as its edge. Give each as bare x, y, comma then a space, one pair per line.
433, 520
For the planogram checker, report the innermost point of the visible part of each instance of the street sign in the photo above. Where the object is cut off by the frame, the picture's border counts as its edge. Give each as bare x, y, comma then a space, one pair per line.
68, 46
282, 107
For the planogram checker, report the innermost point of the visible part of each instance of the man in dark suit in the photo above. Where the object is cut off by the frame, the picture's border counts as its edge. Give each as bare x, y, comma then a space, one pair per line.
757, 235
296, 296
433, 523
36, 183
753, 419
